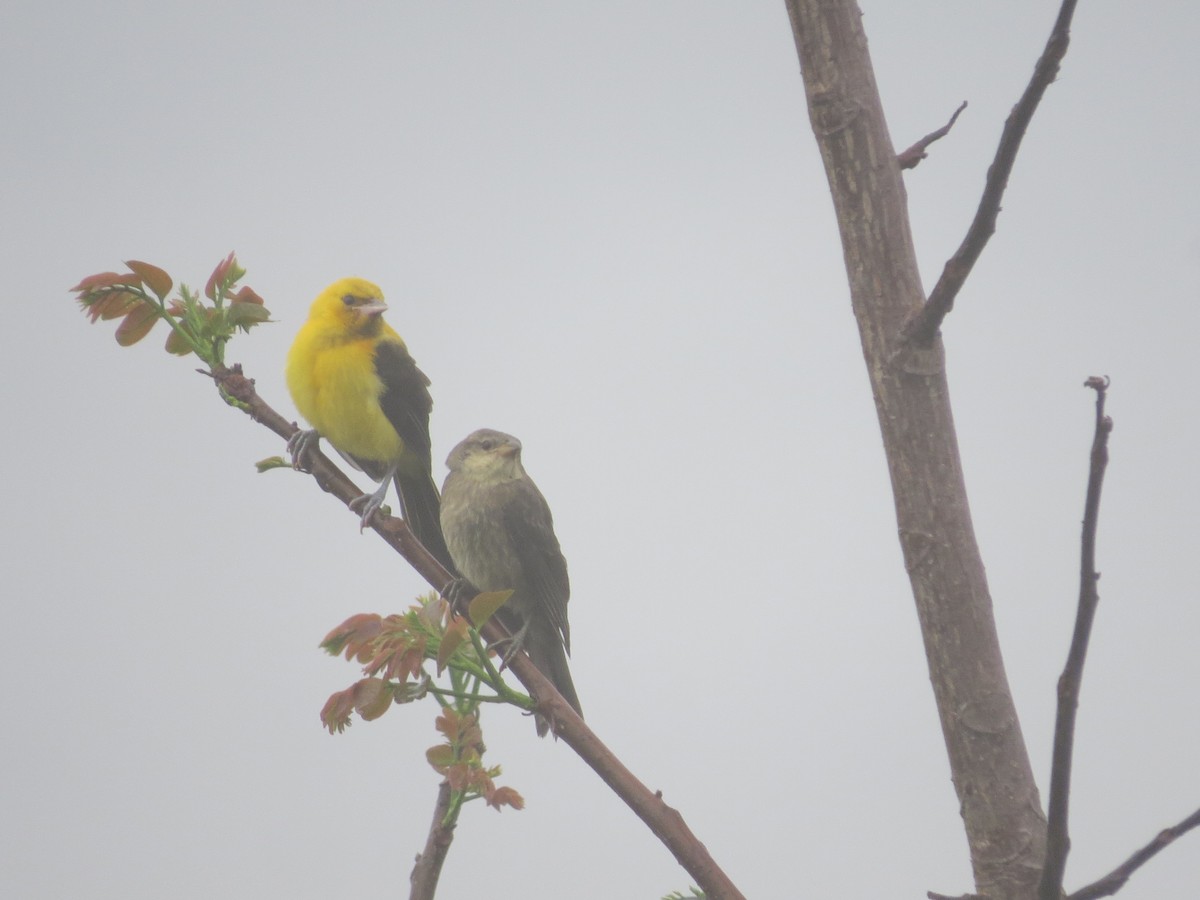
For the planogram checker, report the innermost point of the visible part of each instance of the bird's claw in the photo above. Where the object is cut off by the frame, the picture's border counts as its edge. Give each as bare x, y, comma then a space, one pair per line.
301, 446
459, 593
515, 642
369, 504
364, 507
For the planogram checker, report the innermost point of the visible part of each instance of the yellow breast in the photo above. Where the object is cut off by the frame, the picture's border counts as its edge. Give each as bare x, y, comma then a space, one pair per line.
335, 387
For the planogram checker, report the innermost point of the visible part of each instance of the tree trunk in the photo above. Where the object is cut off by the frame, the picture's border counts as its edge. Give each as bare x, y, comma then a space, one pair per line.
1005, 825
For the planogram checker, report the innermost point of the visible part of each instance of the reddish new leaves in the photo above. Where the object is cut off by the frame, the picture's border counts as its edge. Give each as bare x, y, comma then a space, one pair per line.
392, 650
460, 760
140, 297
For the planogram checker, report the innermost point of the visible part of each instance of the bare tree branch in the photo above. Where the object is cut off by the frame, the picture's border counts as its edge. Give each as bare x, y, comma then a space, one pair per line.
428, 867
1115, 880
925, 324
909, 158
1058, 841
989, 762
665, 822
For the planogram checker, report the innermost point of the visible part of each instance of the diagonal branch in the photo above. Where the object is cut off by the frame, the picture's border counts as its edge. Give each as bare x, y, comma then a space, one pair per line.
665, 822
234, 384
909, 158
921, 329
1115, 880
1058, 841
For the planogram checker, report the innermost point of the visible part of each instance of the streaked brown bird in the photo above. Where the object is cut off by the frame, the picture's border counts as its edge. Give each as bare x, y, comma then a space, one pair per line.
500, 533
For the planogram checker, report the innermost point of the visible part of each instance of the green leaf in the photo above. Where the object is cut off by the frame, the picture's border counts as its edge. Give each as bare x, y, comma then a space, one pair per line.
178, 344
440, 757
272, 462
485, 604
245, 315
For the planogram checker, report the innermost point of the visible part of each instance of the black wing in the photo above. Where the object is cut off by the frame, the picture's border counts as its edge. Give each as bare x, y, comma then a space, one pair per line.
405, 401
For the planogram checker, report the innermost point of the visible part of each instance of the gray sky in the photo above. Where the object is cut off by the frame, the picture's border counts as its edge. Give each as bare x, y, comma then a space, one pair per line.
605, 229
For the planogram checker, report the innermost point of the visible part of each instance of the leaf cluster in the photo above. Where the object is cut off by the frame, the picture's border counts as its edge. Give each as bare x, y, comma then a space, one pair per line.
393, 651
139, 297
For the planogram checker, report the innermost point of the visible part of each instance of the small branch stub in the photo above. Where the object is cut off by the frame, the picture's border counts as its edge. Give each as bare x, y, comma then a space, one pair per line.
909, 158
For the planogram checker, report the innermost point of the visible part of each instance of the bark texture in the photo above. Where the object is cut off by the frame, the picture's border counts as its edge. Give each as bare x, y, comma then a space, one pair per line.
1005, 825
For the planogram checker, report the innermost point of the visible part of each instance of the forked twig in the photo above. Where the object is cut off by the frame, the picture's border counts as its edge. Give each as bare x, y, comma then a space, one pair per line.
922, 327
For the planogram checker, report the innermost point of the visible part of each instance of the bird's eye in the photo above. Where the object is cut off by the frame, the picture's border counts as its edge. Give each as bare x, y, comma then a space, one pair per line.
487, 443
349, 299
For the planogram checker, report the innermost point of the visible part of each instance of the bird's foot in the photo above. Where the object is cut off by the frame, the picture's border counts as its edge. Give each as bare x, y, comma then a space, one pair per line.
301, 446
459, 593
514, 644
369, 504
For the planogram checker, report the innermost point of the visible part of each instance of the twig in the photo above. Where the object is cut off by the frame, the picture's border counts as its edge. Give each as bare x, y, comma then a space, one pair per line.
665, 822
428, 867
921, 329
1115, 880
1058, 841
909, 158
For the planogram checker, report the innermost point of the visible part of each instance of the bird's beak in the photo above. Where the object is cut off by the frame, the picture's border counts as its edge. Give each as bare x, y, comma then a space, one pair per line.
374, 308
507, 450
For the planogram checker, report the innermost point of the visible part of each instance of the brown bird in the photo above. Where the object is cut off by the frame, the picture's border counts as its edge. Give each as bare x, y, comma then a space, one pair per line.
500, 534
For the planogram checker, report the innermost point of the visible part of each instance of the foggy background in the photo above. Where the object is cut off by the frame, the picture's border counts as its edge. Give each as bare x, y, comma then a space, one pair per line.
605, 229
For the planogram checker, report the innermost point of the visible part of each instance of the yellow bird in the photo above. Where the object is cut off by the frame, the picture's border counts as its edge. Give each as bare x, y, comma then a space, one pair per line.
351, 376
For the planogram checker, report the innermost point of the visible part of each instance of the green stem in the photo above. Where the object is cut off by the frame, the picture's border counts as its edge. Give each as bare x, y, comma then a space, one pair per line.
460, 695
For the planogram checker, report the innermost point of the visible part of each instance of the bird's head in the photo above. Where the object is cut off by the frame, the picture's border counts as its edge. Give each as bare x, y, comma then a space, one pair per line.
487, 455
354, 305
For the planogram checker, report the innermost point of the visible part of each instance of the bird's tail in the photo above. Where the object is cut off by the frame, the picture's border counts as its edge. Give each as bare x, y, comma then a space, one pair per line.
546, 651
422, 510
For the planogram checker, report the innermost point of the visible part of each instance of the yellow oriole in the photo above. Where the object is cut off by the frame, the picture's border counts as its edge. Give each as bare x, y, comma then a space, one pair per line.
352, 378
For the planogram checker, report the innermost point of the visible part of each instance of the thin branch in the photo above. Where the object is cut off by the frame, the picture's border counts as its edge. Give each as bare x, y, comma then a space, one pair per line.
921, 329
428, 868
665, 822
233, 383
1115, 880
909, 158
1058, 841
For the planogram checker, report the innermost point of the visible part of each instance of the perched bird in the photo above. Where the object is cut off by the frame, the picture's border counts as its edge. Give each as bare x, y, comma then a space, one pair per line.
501, 536
351, 377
